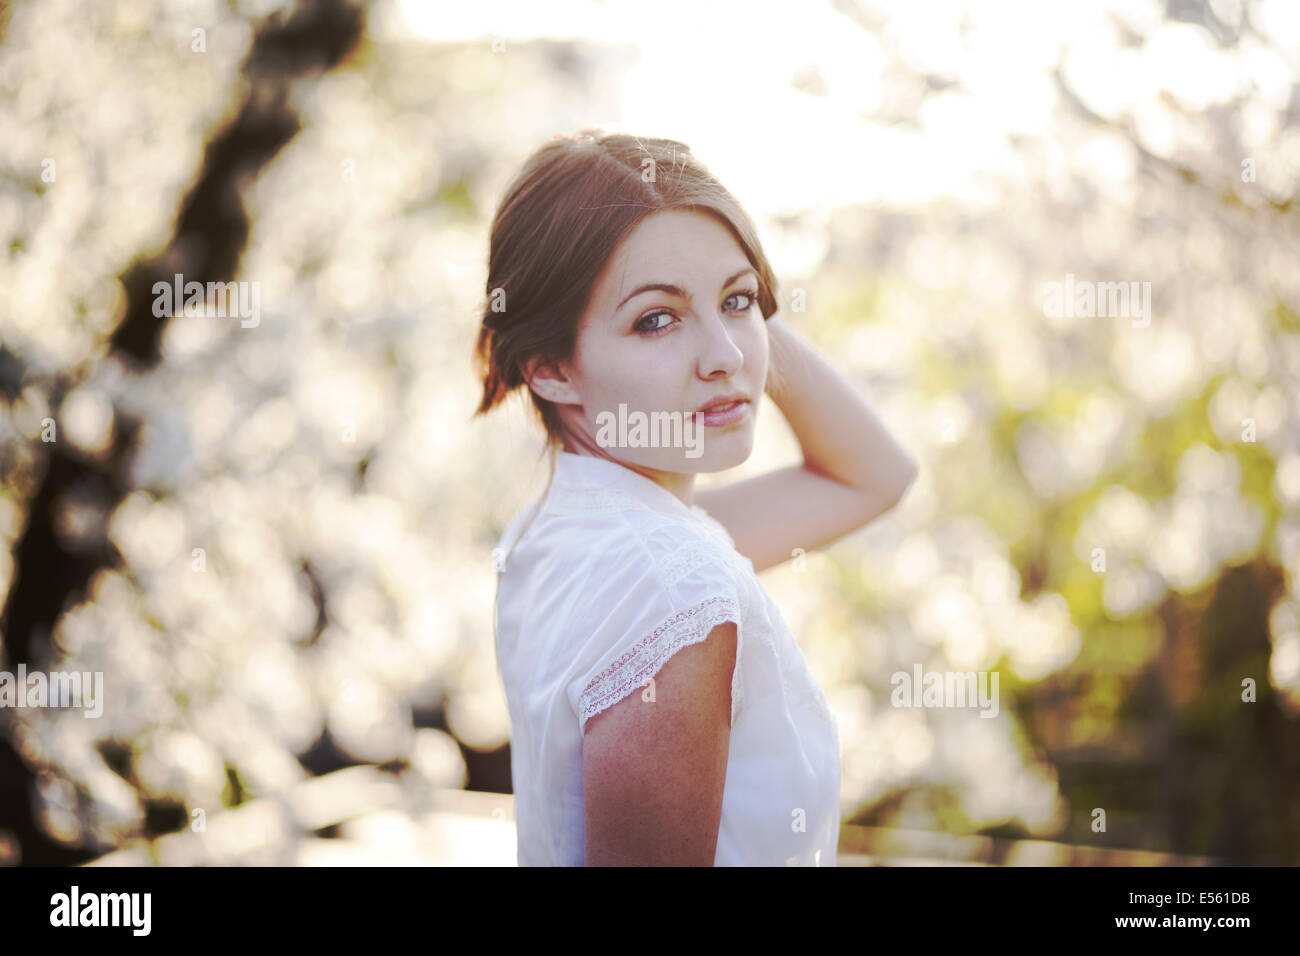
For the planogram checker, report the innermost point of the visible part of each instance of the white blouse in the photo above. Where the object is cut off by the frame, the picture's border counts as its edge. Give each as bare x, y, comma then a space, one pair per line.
599, 583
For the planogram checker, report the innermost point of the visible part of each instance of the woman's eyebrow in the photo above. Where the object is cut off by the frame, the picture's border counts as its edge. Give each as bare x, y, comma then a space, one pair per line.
676, 289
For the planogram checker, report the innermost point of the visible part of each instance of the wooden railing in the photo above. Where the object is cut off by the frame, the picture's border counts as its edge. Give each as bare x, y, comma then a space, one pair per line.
375, 824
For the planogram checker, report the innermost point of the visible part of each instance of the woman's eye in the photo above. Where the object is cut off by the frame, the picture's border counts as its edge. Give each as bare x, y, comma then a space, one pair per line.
641, 327
749, 297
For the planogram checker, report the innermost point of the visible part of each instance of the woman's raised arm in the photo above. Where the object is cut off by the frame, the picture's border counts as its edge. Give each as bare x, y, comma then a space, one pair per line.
853, 469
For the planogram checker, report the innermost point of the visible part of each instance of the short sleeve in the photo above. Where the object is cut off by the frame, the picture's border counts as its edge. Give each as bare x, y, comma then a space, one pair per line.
651, 597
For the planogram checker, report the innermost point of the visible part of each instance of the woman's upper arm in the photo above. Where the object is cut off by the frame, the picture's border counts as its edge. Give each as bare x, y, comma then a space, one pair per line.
771, 515
654, 766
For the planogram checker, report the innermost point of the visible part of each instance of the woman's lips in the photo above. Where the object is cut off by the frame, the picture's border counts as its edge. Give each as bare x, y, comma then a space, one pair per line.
726, 414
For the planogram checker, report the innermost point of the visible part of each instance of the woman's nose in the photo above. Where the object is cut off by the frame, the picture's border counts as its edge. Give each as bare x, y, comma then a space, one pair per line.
718, 352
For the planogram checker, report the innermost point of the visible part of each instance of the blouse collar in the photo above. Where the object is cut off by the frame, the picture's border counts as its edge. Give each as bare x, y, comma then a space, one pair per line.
578, 471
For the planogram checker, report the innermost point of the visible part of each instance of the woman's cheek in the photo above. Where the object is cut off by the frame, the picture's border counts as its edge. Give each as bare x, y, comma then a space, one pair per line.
762, 344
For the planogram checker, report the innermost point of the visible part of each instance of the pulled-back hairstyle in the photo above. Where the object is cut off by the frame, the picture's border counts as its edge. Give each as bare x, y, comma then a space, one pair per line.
575, 200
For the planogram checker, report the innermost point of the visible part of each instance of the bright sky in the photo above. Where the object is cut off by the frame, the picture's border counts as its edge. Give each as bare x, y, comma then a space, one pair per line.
718, 75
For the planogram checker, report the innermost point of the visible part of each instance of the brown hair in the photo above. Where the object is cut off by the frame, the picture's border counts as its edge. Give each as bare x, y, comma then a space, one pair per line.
576, 198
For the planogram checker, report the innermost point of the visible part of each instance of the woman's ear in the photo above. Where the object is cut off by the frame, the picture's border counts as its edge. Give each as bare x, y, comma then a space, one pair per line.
550, 381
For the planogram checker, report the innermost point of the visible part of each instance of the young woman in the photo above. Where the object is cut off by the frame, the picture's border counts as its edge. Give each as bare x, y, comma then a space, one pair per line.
661, 710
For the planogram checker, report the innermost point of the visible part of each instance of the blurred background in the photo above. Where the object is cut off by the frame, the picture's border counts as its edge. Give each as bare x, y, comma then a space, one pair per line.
273, 538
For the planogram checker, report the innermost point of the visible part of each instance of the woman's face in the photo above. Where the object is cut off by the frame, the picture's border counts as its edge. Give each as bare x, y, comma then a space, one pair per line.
673, 324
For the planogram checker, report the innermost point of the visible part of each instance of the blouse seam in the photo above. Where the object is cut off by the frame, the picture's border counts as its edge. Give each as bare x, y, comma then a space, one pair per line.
654, 562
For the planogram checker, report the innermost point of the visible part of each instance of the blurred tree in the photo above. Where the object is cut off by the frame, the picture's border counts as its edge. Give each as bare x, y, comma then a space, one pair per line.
210, 232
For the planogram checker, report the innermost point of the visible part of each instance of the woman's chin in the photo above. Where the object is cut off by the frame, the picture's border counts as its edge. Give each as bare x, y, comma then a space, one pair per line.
726, 451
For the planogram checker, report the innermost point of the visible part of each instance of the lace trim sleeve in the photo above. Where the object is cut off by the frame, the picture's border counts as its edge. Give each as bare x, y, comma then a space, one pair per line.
648, 655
